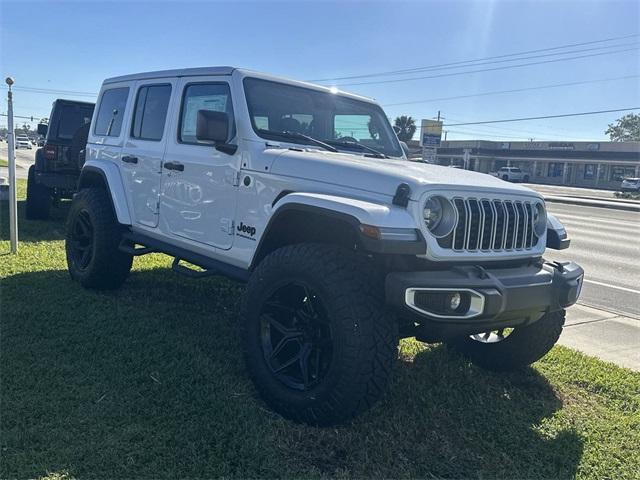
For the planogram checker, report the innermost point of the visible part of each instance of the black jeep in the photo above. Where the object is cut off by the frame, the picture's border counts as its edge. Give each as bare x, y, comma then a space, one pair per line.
57, 168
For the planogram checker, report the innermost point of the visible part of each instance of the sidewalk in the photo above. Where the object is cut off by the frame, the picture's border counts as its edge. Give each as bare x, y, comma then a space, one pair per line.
606, 335
618, 204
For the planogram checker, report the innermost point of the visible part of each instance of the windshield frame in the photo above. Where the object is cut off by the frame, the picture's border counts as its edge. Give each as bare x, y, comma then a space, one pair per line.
398, 152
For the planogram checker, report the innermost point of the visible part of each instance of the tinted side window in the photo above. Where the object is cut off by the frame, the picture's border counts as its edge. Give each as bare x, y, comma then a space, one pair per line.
151, 112
111, 112
203, 96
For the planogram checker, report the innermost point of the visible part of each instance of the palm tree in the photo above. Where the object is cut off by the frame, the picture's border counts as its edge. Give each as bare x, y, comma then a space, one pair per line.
407, 126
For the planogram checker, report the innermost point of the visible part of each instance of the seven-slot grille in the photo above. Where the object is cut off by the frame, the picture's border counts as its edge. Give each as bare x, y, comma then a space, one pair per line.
491, 225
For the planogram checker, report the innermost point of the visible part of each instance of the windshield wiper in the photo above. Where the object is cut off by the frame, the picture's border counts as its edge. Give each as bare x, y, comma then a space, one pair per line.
300, 136
373, 151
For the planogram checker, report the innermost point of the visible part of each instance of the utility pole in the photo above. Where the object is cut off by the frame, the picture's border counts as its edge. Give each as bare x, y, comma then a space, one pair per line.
13, 199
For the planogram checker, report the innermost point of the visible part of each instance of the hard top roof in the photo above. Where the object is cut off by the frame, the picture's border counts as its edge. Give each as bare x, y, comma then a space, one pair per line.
224, 70
179, 72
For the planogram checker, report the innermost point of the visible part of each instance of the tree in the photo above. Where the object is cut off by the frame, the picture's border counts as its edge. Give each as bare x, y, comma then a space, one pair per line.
407, 126
625, 129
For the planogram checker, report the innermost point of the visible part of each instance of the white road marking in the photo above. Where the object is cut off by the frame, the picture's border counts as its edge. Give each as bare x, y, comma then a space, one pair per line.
602, 284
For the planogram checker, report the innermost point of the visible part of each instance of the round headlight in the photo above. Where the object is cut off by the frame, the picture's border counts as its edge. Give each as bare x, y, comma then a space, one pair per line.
432, 212
439, 216
539, 219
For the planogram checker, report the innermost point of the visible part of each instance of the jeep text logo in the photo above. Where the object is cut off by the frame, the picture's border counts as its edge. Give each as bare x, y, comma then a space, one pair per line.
247, 229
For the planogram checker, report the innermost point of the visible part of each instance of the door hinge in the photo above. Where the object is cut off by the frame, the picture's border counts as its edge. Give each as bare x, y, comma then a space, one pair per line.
227, 225
236, 179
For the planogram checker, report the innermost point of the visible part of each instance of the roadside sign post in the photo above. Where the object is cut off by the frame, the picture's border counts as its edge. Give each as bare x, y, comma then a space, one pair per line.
430, 135
13, 194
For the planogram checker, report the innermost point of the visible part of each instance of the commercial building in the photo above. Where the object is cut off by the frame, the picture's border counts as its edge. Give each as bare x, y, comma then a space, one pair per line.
583, 164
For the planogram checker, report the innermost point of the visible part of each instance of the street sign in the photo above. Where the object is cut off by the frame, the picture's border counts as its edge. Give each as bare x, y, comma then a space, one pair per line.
430, 135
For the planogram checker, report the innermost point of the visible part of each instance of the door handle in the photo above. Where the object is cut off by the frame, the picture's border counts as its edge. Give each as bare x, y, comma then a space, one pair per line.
128, 159
174, 166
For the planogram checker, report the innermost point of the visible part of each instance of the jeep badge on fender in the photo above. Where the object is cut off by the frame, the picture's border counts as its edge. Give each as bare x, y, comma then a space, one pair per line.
344, 245
246, 229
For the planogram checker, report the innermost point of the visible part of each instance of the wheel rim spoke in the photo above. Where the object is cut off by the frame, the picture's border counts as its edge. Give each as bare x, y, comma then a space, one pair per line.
296, 336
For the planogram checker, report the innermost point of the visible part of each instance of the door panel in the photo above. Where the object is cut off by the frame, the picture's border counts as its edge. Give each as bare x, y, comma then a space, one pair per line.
198, 193
143, 152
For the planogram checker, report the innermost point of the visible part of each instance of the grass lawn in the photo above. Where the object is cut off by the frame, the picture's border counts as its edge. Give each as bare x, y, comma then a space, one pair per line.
4, 163
148, 382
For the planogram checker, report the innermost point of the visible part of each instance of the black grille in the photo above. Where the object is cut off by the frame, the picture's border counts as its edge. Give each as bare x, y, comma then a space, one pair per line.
491, 225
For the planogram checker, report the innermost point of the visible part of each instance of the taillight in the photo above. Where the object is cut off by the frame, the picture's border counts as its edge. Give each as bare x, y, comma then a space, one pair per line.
49, 152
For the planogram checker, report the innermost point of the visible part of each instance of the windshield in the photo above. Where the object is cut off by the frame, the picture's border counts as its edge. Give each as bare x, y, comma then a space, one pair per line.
345, 123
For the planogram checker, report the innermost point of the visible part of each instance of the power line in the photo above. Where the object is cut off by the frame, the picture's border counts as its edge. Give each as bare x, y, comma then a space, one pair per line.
506, 67
515, 90
520, 58
50, 91
423, 68
544, 117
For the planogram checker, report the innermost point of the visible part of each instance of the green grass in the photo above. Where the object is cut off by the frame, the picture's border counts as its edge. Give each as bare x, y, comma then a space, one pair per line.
4, 163
148, 382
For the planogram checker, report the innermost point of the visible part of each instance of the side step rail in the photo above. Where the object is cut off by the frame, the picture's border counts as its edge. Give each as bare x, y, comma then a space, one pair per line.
177, 267
128, 246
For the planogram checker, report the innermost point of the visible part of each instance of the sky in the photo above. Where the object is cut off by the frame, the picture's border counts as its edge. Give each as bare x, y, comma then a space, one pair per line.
74, 46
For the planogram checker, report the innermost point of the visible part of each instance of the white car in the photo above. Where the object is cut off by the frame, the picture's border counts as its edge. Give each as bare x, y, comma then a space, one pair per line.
630, 185
22, 141
306, 195
511, 174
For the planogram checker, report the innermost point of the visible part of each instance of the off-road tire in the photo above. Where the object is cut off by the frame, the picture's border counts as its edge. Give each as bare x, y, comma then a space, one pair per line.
38, 198
108, 267
364, 334
522, 347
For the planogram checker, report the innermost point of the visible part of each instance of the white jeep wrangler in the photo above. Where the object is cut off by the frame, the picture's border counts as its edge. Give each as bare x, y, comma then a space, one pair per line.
305, 194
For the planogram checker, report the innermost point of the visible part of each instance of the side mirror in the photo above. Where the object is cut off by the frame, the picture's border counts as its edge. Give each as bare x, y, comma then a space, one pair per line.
212, 126
42, 129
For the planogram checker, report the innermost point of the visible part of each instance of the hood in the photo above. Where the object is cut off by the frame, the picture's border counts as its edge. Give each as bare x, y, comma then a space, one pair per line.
382, 176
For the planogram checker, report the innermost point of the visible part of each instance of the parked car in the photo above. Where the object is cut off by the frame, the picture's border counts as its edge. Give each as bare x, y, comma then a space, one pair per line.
511, 174
307, 196
630, 185
54, 175
22, 141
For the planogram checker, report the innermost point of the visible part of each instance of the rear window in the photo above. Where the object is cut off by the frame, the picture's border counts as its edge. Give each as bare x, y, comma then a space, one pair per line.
111, 112
72, 117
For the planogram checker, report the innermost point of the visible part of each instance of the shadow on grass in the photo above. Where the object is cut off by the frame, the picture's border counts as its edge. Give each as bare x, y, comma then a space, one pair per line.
149, 382
35, 230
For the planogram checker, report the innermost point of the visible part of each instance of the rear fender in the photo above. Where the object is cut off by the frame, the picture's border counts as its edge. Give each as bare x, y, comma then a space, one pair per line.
107, 175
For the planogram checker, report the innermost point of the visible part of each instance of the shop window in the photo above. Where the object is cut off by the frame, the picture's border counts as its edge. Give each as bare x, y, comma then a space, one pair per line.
589, 171
618, 173
555, 170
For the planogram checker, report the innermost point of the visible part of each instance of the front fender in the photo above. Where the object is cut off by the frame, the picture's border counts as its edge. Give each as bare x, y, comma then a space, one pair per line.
361, 211
109, 174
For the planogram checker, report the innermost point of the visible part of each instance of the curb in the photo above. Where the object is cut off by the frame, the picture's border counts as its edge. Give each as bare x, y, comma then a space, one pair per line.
630, 207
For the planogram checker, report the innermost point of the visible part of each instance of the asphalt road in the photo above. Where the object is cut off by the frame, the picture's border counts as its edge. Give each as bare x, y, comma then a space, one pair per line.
24, 159
605, 243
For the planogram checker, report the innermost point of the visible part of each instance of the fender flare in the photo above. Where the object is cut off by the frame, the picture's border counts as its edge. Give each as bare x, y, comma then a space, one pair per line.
390, 218
110, 174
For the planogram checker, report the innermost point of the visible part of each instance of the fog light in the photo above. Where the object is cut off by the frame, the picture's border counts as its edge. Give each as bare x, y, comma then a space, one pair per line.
454, 301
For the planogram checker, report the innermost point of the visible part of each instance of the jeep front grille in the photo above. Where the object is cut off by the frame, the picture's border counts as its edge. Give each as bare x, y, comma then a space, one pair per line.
491, 225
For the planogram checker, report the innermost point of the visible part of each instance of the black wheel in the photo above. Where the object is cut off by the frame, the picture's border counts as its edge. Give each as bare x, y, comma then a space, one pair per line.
505, 178
93, 236
38, 198
512, 348
526, 179
318, 342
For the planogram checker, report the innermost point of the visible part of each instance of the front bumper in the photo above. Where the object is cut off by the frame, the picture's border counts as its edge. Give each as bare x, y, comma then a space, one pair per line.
499, 297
